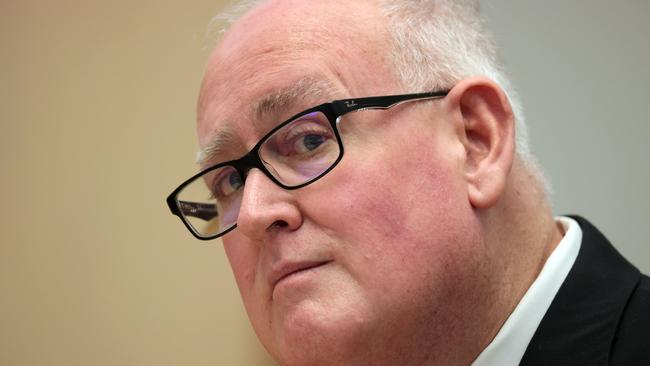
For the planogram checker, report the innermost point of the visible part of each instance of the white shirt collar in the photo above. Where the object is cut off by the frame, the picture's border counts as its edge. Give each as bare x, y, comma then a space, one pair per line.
510, 343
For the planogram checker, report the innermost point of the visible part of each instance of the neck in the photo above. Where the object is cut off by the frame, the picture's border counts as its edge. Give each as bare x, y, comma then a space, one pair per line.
522, 234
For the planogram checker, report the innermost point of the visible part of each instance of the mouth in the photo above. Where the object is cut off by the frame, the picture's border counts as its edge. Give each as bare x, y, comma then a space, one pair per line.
288, 270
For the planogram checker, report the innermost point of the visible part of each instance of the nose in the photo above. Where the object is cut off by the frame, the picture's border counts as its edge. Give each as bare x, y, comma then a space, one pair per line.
266, 208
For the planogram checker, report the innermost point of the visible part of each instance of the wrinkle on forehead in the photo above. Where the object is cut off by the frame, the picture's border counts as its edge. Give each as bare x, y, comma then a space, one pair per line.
308, 87
281, 30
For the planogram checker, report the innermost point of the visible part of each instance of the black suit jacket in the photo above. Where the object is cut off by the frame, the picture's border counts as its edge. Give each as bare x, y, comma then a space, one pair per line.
600, 315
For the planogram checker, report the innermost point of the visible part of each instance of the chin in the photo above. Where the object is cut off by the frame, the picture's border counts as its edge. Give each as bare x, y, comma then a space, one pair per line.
314, 333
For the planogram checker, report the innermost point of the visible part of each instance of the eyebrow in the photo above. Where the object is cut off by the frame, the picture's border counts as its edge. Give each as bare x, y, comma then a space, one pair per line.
281, 100
225, 137
272, 104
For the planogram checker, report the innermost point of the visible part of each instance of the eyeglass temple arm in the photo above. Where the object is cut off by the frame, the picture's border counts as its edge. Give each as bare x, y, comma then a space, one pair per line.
203, 211
384, 102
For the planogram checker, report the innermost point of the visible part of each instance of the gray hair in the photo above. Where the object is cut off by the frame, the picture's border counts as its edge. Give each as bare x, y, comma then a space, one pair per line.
436, 43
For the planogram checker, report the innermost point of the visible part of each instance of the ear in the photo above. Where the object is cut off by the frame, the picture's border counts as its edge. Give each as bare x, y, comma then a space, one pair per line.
485, 125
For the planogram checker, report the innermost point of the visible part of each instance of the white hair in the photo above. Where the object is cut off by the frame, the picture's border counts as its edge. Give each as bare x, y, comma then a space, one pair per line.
220, 23
435, 44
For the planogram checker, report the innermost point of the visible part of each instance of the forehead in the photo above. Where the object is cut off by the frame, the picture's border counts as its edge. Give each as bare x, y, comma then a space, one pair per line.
283, 43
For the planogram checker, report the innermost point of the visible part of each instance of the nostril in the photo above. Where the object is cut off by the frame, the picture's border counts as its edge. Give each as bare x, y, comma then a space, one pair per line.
278, 224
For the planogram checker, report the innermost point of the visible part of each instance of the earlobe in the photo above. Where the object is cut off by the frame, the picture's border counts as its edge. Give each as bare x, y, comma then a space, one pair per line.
486, 128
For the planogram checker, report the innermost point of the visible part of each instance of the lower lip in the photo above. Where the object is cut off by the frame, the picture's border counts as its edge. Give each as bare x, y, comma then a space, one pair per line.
300, 275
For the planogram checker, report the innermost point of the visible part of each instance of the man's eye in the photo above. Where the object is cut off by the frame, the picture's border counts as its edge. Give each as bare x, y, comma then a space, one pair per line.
308, 143
304, 140
307, 137
229, 184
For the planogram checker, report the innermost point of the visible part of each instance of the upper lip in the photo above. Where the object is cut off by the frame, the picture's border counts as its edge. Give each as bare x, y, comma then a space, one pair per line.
285, 269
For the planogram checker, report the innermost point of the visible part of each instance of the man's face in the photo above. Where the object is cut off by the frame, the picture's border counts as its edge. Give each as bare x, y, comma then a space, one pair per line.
384, 246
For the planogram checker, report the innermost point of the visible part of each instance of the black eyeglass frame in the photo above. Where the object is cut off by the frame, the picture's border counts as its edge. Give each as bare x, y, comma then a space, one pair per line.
333, 111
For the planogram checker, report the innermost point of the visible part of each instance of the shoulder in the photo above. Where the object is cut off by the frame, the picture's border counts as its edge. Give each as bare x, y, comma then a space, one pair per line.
632, 342
600, 315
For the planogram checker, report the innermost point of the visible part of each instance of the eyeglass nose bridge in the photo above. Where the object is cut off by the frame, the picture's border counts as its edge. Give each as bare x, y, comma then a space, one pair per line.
253, 160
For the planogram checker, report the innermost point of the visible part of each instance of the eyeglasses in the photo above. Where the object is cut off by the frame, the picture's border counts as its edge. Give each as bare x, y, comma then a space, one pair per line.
295, 153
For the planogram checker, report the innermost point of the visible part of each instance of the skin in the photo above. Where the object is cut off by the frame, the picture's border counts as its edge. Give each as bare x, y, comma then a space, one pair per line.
427, 233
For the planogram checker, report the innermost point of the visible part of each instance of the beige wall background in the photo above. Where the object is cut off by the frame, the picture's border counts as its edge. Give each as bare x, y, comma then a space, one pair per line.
97, 111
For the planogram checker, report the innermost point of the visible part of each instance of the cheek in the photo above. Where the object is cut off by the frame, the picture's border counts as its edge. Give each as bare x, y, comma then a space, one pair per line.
395, 195
400, 218
402, 178
243, 260
413, 216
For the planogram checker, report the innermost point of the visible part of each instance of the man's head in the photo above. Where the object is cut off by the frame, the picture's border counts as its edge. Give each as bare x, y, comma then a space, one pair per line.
401, 253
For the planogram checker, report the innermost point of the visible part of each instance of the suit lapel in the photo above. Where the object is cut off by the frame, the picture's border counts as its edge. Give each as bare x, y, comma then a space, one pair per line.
580, 325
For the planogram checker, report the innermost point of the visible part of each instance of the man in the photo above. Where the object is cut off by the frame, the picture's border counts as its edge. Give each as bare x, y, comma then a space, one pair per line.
408, 229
